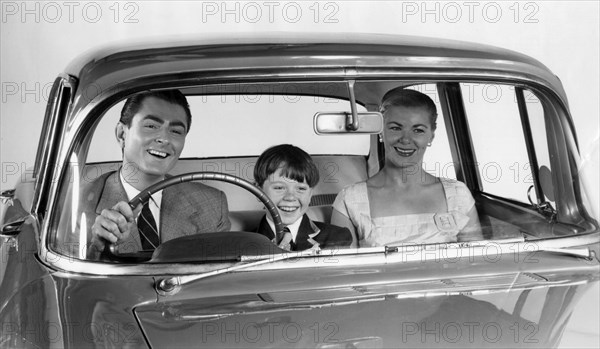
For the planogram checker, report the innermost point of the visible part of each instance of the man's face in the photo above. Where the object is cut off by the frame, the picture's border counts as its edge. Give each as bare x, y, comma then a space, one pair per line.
155, 138
290, 197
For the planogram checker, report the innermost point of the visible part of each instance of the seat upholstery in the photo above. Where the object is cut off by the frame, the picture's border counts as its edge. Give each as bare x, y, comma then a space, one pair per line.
336, 172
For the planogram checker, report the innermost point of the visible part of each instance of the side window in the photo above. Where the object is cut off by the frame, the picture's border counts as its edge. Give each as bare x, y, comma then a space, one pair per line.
536, 115
499, 140
438, 158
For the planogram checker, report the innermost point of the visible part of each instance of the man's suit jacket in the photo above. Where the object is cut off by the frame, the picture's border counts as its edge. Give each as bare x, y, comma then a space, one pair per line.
312, 234
186, 208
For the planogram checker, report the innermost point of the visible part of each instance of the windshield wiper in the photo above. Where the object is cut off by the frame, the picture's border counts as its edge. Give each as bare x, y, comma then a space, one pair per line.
171, 285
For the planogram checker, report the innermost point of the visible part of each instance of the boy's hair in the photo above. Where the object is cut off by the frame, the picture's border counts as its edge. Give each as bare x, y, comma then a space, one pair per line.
134, 103
295, 163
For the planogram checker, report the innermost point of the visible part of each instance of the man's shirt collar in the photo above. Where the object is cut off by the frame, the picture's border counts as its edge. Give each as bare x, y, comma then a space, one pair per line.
154, 202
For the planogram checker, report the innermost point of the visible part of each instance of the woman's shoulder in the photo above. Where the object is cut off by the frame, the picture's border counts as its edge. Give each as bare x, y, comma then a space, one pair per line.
351, 197
457, 193
357, 189
453, 183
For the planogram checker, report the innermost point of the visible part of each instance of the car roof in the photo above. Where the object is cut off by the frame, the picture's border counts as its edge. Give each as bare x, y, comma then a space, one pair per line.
171, 61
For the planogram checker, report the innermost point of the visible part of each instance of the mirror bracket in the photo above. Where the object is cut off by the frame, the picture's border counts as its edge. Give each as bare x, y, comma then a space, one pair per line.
352, 121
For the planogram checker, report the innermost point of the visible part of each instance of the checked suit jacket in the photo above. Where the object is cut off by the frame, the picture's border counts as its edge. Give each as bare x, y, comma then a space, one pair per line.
186, 208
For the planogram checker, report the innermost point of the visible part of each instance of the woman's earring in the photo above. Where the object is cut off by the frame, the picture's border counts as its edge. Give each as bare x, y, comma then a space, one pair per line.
429, 144
380, 138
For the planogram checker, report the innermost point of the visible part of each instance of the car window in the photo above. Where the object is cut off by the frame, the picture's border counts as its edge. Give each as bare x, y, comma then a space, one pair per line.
536, 117
438, 158
244, 125
229, 131
498, 140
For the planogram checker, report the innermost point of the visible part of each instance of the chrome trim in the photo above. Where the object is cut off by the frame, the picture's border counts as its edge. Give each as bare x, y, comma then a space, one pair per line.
7, 197
352, 124
427, 289
346, 258
44, 153
12, 228
128, 61
49, 165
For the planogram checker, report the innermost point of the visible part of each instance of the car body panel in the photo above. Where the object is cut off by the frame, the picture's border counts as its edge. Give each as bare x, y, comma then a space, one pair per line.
506, 292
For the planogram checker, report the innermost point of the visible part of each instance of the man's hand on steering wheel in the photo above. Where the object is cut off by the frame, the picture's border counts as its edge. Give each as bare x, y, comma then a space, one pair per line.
114, 225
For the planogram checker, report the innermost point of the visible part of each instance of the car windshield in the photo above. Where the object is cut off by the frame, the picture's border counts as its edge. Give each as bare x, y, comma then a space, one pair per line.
490, 141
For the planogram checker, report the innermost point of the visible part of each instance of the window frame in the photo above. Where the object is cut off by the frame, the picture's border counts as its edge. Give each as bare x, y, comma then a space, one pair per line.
94, 110
55, 118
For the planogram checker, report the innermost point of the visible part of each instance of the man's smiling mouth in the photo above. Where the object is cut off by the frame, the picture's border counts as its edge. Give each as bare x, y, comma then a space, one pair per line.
158, 153
405, 152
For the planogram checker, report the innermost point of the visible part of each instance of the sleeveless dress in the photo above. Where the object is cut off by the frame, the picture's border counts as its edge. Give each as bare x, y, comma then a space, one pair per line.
353, 202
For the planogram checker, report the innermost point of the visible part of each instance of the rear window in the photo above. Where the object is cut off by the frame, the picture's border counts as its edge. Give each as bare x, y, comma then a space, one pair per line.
244, 125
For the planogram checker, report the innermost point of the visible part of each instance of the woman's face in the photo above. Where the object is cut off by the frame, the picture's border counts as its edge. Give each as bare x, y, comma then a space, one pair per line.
406, 133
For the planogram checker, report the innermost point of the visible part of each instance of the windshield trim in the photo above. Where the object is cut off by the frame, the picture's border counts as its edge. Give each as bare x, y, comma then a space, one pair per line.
74, 137
371, 256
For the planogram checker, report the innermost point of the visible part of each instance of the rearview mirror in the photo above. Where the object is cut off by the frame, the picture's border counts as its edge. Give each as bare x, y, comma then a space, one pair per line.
341, 122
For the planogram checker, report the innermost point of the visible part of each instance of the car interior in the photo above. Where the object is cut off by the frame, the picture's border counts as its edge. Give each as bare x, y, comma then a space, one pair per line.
254, 116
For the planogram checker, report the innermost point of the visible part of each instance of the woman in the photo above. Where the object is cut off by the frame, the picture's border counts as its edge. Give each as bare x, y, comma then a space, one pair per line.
403, 203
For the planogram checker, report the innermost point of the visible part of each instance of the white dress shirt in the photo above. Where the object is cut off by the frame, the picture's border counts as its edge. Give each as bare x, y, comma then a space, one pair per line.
294, 227
154, 202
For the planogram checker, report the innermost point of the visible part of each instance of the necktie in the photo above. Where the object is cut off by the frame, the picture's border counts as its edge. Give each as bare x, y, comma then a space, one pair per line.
285, 241
147, 229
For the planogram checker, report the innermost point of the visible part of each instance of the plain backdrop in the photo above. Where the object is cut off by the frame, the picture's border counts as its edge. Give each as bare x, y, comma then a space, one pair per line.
39, 39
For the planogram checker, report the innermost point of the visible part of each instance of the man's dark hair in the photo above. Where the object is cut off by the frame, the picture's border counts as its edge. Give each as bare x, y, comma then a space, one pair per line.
134, 103
294, 162
401, 97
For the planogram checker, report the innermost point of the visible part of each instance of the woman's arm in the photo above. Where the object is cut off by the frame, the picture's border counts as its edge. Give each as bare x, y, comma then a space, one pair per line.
471, 231
339, 219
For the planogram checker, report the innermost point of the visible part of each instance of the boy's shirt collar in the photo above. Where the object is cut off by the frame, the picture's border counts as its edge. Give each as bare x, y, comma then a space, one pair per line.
294, 227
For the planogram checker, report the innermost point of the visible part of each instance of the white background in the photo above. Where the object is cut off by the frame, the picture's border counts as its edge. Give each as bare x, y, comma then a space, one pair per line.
39, 40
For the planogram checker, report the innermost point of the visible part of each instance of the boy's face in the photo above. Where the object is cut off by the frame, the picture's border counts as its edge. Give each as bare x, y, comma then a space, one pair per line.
291, 197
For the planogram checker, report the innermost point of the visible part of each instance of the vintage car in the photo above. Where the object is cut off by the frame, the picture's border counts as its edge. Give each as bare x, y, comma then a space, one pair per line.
504, 129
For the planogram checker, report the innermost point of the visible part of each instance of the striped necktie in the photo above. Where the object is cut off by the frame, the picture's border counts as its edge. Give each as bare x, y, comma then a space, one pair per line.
285, 240
147, 229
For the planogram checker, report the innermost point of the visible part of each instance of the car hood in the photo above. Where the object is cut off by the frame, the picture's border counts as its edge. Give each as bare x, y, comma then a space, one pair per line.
384, 322
372, 307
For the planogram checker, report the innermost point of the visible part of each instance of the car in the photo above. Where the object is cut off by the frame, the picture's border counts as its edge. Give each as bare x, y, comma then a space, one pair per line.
504, 130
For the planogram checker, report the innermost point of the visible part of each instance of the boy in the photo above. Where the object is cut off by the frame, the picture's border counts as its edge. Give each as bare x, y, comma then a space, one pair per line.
287, 174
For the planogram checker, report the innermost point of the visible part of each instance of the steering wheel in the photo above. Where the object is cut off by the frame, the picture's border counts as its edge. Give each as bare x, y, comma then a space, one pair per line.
143, 197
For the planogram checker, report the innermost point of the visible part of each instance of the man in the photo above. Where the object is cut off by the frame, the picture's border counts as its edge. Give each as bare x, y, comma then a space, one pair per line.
151, 133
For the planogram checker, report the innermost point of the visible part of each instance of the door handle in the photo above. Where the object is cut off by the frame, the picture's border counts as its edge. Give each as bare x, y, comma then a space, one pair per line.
12, 229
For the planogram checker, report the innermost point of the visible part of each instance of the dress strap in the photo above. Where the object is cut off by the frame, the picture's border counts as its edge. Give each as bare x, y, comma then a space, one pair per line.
458, 196
362, 199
